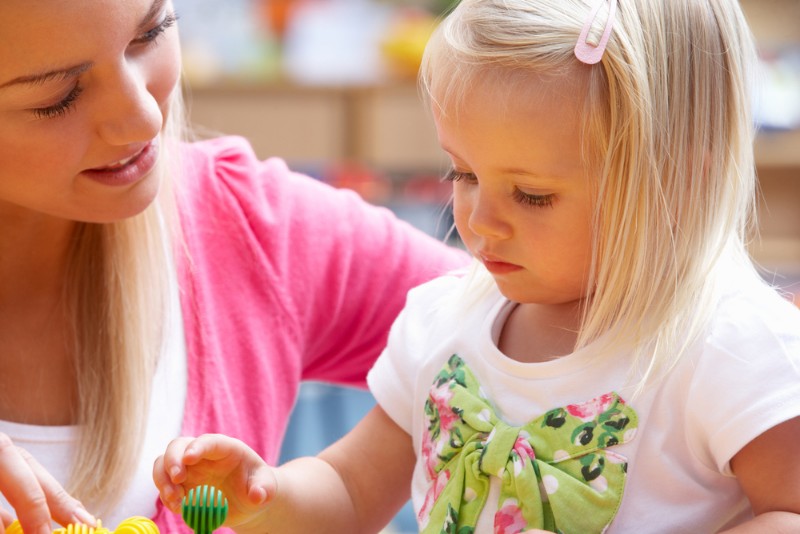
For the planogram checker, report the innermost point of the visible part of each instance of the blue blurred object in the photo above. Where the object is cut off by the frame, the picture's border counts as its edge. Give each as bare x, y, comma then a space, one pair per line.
323, 414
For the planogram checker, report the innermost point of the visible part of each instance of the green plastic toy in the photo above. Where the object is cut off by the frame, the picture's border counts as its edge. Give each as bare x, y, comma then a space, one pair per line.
204, 509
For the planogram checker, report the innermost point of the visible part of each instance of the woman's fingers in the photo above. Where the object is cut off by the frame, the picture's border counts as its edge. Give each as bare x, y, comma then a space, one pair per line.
37, 498
22, 489
6, 518
64, 508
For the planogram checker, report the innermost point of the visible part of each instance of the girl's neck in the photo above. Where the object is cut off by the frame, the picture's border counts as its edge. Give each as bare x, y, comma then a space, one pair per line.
535, 333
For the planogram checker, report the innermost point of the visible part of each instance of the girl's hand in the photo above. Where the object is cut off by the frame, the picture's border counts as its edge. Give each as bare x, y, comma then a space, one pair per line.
220, 461
35, 495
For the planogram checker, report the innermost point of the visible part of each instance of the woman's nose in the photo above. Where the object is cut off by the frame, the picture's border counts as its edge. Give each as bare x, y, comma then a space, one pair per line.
128, 113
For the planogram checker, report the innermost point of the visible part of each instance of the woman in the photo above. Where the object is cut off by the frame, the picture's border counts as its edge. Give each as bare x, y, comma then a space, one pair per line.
151, 288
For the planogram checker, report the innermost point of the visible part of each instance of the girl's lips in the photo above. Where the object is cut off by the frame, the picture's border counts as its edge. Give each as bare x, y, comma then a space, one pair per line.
496, 266
500, 267
127, 171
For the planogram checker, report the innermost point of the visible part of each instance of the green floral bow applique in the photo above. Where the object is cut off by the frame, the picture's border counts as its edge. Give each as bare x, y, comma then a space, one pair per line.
555, 471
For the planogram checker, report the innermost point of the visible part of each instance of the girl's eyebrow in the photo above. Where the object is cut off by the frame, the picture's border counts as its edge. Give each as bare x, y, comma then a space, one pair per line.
77, 70
49, 76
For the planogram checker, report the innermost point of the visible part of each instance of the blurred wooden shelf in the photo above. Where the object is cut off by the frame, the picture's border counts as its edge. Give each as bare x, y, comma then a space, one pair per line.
778, 149
384, 126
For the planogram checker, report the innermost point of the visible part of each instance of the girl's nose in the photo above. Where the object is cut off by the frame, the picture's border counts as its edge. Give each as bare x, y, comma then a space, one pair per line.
129, 113
486, 217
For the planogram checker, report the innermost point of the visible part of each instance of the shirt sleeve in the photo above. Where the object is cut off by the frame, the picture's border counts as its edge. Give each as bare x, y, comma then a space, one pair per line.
342, 267
427, 320
747, 380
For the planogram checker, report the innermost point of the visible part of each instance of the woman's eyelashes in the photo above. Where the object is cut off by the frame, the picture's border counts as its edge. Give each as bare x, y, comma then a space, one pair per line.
150, 36
61, 108
525, 199
456, 176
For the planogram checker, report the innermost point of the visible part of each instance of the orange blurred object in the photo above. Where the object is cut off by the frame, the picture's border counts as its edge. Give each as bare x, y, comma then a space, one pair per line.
277, 13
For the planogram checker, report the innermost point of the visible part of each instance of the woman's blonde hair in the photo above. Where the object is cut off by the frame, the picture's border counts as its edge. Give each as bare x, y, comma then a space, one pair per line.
668, 129
118, 296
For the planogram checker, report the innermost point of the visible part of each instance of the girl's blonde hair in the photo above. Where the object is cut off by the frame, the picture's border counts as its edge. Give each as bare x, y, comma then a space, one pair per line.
668, 134
117, 294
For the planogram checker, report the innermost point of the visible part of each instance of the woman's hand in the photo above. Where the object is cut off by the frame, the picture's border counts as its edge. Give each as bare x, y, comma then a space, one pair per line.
220, 461
35, 495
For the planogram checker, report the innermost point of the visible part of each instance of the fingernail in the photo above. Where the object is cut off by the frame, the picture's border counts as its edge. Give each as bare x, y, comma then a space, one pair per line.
174, 471
80, 515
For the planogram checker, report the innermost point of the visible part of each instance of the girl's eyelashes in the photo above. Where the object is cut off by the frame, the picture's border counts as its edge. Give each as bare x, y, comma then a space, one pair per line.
151, 35
61, 108
526, 199
539, 201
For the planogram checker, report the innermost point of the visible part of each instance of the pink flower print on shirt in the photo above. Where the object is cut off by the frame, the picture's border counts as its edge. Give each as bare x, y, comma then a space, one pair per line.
440, 398
508, 518
430, 454
587, 411
424, 515
522, 452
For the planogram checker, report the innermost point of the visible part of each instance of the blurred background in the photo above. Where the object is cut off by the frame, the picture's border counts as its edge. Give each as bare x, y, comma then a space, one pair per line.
329, 85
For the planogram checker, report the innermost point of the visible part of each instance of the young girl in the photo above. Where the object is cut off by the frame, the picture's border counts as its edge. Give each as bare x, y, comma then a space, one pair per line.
151, 288
613, 362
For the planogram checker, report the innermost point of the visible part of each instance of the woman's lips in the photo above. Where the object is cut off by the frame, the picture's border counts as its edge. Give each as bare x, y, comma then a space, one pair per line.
128, 170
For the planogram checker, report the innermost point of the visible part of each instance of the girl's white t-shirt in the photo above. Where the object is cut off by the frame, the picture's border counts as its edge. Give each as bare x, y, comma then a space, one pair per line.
54, 446
738, 381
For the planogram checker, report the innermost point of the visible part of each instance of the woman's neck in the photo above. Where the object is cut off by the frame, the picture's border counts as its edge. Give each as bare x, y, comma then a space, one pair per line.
33, 256
34, 354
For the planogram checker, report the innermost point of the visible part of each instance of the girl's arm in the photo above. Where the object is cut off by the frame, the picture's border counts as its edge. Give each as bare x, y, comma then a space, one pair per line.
375, 462
354, 486
768, 470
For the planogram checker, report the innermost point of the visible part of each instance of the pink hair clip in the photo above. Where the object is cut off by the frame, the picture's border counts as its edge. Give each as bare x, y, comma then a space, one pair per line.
587, 52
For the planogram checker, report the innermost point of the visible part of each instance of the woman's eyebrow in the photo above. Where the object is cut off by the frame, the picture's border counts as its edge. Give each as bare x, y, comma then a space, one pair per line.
77, 70
49, 76
155, 9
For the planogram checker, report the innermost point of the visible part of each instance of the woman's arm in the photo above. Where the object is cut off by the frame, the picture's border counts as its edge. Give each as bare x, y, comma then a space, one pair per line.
768, 469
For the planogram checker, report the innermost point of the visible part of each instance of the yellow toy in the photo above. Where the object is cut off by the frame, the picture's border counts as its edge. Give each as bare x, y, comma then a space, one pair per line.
132, 525
203, 509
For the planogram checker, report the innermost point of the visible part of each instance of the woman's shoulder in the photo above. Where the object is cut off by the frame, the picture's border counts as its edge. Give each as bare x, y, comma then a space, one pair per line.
223, 160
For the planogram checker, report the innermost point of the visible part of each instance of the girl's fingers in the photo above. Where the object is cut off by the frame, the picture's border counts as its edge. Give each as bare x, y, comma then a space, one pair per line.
173, 463
261, 485
213, 447
170, 494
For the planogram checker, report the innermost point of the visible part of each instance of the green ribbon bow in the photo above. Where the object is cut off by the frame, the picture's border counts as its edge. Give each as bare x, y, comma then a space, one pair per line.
555, 472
